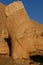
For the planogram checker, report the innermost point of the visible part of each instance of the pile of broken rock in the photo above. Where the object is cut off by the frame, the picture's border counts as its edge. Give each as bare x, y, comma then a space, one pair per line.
21, 38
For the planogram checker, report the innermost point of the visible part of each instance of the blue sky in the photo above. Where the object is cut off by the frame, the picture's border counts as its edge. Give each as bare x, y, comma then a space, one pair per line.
34, 8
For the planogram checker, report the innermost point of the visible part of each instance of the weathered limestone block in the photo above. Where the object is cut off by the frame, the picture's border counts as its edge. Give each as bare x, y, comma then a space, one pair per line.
19, 27
38, 40
23, 31
4, 49
26, 35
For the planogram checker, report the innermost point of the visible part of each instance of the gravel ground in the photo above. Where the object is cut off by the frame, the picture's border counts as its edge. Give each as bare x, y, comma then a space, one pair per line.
6, 61
10, 61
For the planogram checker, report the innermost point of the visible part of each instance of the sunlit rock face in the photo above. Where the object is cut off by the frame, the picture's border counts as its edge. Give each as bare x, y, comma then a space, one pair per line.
26, 35
4, 49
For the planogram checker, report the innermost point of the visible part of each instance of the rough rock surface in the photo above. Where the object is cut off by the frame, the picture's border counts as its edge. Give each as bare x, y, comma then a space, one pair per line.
6, 61
4, 49
26, 35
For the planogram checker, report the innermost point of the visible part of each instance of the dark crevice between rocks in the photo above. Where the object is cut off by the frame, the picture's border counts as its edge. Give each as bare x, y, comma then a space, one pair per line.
8, 40
41, 34
37, 36
37, 58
